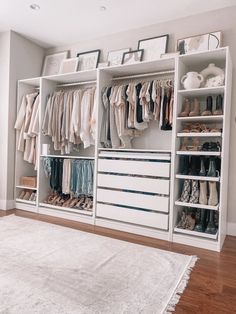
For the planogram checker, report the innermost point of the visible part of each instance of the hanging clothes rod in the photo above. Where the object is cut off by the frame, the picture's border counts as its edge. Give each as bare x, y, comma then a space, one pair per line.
77, 83
143, 75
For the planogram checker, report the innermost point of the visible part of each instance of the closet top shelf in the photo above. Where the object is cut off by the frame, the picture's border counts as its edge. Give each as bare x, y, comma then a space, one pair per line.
204, 91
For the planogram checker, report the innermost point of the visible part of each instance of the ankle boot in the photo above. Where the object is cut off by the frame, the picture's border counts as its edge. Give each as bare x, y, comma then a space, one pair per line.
196, 108
184, 143
219, 106
211, 227
185, 108
201, 225
194, 198
184, 165
212, 168
202, 168
203, 193
208, 111
213, 194
194, 166
185, 191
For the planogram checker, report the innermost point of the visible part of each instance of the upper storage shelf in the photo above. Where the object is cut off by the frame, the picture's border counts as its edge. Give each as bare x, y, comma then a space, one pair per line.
89, 75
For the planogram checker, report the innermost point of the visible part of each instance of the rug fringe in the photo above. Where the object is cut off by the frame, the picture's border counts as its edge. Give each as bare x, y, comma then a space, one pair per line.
181, 286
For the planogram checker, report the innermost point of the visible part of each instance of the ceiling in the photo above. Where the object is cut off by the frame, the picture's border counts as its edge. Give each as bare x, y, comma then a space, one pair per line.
62, 22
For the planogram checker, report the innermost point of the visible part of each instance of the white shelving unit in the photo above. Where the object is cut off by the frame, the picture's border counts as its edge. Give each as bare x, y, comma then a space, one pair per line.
153, 161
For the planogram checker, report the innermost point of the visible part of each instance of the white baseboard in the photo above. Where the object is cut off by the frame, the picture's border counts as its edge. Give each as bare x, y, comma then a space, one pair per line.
231, 228
7, 204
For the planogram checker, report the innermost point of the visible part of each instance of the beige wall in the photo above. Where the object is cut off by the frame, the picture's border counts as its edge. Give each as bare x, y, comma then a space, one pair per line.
224, 20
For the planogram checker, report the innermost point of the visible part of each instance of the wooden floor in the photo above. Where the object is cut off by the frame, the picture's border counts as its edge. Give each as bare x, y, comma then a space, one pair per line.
212, 286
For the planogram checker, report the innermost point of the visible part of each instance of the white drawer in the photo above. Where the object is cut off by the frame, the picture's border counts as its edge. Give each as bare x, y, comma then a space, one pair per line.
139, 200
145, 168
158, 186
128, 215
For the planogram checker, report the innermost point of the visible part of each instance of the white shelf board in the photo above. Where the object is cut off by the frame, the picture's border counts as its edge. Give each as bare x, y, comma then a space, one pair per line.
193, 134
67, 209
74, 77
200, 178
146, 155
68, 156
179, 203
206, 56
19, 200
204, 91
197, 153
202, 119
144, 67
26, 187
134, 150
196, 233
35, 81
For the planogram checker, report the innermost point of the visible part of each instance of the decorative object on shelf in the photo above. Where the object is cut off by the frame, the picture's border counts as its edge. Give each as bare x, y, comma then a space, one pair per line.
201, 42
132, 56
88, 60
115, 57
169, 55
52, 63
69, 65
103, 64
192, 80
153, 47
28, 181
213, 76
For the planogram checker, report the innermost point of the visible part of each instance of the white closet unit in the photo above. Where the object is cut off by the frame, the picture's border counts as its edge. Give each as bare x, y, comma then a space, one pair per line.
137, 190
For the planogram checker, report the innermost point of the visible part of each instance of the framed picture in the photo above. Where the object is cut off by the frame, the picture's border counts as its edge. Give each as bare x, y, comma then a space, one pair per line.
88, 60
69, 65
199, 43
103, 64
132, 56
115, 57
153, 47
52, 63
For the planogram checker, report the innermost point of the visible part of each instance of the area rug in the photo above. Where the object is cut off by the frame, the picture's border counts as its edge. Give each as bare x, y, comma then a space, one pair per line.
49, 269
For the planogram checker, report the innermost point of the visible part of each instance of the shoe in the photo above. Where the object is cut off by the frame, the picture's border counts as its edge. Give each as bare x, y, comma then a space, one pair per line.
22, 194
208, 111
184, 144
212, 168
194, 198
211, 227
185, 195
186, 108
203, 193
195, 145
27, 196
213, 194
196, 108
184, 165
201, 225
194, 166
211, 147
202, 171
219, 106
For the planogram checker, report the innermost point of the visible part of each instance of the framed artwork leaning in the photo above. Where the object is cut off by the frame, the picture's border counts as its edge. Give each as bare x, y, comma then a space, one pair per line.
88, 60
69, 65
52, 63
153, 47
132, 56
115, 57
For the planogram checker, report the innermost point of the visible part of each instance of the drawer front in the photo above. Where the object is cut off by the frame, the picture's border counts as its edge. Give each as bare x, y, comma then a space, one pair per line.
143, 168
128, 215
139, 200
141, 184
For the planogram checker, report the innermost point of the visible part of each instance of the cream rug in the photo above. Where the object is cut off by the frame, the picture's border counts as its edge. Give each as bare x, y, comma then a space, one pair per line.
48, 269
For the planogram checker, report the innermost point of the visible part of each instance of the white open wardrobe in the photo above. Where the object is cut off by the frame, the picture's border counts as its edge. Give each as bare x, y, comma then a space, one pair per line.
137, 190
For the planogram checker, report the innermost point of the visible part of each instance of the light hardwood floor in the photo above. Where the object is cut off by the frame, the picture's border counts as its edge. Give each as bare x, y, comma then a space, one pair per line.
212, 286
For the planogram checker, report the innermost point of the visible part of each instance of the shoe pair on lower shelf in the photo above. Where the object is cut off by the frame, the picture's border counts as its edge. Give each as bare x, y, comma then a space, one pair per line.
196, 192
28, 195
193, 144
201, 220
199, 166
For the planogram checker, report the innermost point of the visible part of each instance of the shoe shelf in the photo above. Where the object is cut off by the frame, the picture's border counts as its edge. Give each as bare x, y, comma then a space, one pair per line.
184, 204
68, 156
19, 200
199, 178
205, 91
26, 187
197, 153
216, 118
67, 209
194, 134
196, 233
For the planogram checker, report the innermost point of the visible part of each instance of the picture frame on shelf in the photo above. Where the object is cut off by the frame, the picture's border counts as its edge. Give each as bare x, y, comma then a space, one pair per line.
103, 64
69, 65
153, 47
132, 56
115, 57
202, 42
52, 63
88, 60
